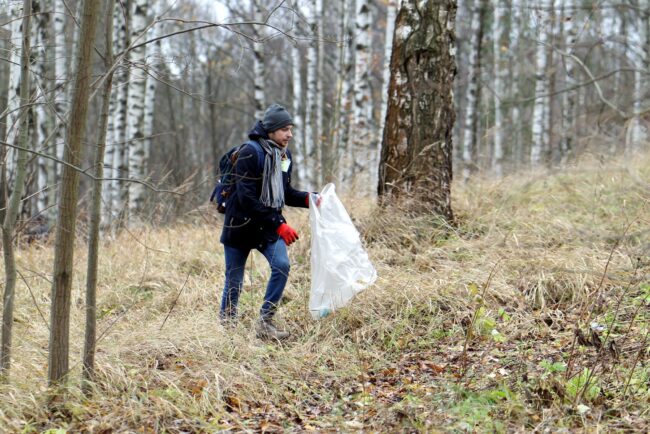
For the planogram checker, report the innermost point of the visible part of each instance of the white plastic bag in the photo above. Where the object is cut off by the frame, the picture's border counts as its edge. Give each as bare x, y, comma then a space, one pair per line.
340, 267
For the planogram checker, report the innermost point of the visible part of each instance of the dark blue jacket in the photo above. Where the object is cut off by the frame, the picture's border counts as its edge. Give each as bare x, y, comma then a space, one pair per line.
248, 223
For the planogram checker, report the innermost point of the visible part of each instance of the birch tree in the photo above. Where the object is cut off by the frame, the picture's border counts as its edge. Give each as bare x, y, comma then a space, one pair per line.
568, 98
64, 246
13, 100
498, 34
13, 208
136, 109
415, 167
303, 170
470, 135
541, 110
347, 92
363, 144
642, 65
44, 116
310, 103
259, 68
391, 11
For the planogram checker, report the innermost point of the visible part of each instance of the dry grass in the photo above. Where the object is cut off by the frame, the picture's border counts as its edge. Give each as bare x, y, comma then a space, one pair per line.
522, 270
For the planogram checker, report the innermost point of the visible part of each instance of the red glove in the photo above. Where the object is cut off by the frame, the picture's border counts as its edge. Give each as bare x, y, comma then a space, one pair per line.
287, 233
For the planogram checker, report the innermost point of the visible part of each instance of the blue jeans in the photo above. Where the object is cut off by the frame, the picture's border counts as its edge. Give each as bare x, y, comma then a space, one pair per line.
276, 254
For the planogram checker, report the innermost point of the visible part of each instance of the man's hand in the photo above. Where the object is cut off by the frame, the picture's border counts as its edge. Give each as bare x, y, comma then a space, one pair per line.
317, 198
287, 233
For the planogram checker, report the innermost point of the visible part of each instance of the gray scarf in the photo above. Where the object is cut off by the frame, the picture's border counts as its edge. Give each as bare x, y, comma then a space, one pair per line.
272, 187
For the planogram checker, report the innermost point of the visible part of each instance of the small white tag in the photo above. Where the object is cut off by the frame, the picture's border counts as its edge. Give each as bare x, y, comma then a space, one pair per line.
285, 165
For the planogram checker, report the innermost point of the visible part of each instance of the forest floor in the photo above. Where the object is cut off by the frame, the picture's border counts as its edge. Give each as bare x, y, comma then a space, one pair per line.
530, 314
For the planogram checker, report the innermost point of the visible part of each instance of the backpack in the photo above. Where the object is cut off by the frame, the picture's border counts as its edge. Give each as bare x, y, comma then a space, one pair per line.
225, 182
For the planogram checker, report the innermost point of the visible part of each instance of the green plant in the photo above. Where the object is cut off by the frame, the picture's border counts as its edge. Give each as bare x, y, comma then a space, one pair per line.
584, 384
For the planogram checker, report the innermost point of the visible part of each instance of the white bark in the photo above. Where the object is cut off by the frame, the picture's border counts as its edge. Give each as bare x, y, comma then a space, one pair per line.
61, 69
310, 108
363, 144
540, 130
136, 105
568, 98
391, 13
259, 67
498, 33
43, 118
642, 64
13, 99
515, 41
155, 61
318, 116
303, 170
116, 134
470, 136
347, 93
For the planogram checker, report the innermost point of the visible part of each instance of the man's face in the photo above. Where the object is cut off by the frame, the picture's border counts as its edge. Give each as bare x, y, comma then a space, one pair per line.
282, 136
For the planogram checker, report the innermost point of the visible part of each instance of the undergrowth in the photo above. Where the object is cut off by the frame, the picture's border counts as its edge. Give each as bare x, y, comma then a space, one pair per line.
529, 313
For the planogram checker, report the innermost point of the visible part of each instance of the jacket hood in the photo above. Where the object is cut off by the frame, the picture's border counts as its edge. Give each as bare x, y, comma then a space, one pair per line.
258, 131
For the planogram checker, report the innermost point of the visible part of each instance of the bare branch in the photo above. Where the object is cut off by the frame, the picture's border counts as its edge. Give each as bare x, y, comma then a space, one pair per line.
84, 172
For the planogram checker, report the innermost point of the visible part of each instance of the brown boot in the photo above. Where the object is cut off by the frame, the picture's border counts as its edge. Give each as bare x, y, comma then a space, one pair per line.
267, 330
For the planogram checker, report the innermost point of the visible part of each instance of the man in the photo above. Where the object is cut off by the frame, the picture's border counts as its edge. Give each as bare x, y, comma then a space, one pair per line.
253, 217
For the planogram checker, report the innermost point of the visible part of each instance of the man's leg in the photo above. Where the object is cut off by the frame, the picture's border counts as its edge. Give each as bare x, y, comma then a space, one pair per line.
276, 255
235, 267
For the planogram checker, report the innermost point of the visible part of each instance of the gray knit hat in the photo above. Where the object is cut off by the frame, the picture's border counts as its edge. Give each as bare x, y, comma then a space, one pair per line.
276, 117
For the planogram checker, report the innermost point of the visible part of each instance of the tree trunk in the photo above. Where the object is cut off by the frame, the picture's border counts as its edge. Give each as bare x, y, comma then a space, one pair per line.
13, 100
642, 63
415, 166
310, 109
540, 133
65, 234
499, 33
96, 211
470, 135
137, 91
303, 170
11, 214
363, 144
347, 94
259, 68
44, 119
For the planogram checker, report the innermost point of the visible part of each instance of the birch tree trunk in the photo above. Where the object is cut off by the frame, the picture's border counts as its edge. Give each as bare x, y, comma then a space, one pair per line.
61, 69
259, 67
322, 151
363, 144
347, 94
391, 12
470, 135
44, 118
13, 100
415, 166
568, 98
310, 108
540, 128
642, 63
65, 234
136, 106
120, 162
498, 34
96, 211
11, 214
516, 33
304, 170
